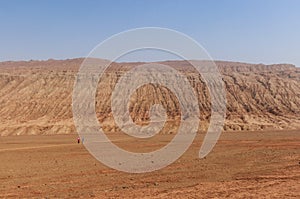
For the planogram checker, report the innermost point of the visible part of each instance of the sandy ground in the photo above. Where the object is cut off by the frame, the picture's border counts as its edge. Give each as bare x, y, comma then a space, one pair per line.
264, 164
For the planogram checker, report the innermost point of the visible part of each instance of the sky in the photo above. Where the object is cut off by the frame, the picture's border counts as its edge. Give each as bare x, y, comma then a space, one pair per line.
254, 31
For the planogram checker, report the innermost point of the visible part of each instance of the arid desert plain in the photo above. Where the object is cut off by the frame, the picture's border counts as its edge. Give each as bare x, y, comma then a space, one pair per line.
257, 155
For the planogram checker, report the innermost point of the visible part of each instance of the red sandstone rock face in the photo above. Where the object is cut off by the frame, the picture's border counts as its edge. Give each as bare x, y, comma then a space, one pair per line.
36, 96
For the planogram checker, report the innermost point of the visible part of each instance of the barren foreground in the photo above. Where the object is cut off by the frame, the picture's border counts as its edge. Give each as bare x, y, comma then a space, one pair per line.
242, 165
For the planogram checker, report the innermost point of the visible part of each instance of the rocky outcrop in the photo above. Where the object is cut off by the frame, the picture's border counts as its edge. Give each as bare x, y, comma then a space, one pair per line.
36, 96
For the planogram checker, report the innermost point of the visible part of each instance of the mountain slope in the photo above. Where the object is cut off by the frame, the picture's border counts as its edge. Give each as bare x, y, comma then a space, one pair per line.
36, 96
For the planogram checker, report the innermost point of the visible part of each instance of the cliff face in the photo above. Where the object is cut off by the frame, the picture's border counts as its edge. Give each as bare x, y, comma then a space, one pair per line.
36, 96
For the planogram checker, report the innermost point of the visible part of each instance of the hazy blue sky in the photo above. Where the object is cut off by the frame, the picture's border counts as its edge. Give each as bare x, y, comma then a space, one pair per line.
256, 31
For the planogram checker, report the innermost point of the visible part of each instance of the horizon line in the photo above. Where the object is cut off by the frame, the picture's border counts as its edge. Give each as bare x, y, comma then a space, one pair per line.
156, 61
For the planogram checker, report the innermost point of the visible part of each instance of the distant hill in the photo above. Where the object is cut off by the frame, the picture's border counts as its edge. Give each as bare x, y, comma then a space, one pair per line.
36, 96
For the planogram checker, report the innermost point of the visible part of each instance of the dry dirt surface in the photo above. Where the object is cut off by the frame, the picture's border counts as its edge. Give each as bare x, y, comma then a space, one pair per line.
257, 164
258, 155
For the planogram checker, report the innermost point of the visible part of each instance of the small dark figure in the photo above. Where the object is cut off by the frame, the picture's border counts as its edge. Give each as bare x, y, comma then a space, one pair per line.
78, 140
